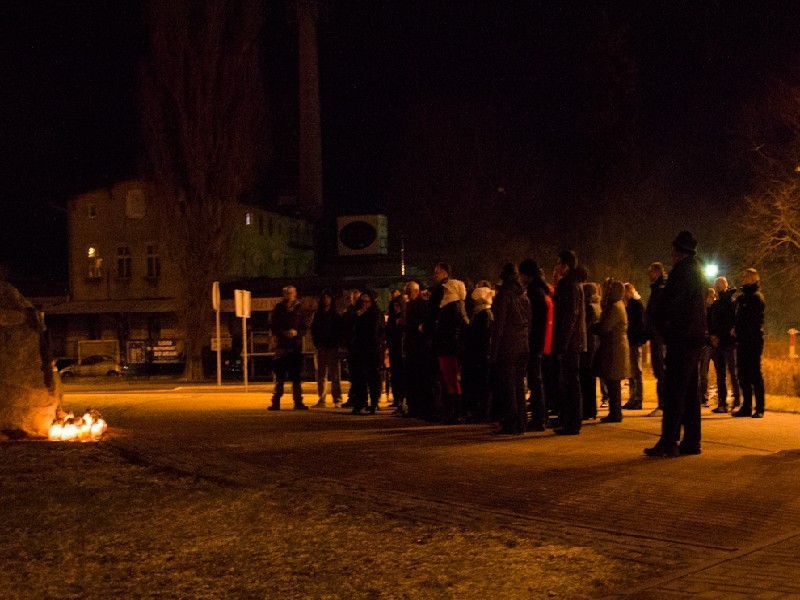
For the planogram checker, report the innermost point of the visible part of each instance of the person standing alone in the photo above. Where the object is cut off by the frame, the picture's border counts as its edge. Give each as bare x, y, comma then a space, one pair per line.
289, 327
681, 319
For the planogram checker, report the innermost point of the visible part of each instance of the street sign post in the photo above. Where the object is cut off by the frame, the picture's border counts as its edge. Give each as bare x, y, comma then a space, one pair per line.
243, 304
215, 303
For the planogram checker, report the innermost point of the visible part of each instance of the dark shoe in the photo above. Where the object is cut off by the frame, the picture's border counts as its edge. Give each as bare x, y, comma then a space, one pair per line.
300, 407
610, 419
371, 410
632, 406
688, 450
348, 404
355, 411
662, 451
742, 413
563, 431
535, 426
758, 415
720, 410
273, 407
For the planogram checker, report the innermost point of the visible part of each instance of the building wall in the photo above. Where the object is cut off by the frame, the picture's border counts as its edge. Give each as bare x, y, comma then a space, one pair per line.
106, 224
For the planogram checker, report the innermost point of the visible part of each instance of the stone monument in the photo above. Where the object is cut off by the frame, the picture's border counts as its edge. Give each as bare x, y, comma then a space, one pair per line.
29, 396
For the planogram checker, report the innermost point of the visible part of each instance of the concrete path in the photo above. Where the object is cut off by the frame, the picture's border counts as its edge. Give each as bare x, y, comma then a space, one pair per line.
725, 524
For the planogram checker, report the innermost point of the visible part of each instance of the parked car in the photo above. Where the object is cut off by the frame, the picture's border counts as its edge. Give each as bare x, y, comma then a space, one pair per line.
93, 365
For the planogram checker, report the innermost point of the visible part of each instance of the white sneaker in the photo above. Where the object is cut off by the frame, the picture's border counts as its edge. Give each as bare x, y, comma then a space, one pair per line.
656, 413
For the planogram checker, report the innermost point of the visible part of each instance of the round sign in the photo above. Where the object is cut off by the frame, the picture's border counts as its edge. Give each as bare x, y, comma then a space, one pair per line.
358, 235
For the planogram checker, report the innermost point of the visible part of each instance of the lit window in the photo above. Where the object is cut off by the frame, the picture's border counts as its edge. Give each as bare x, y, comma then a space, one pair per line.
247, 218
94, 263
123, 262
153, 262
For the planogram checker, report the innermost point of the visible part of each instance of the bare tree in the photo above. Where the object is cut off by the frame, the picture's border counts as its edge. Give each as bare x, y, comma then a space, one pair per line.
203, 121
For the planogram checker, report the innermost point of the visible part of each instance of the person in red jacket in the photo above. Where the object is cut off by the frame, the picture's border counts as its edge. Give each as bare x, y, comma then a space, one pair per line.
540, 339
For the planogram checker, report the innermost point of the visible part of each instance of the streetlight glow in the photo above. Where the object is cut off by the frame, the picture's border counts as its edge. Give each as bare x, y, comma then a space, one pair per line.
712, 271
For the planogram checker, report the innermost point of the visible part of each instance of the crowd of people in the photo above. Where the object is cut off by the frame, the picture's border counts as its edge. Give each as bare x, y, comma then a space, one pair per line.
530, 354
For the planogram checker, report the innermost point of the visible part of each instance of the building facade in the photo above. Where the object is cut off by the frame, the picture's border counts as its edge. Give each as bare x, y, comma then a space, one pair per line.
124, 284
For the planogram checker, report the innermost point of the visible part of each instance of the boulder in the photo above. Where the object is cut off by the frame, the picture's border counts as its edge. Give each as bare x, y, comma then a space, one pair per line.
28, 394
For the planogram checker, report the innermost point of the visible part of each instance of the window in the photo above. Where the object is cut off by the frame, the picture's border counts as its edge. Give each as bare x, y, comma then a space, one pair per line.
123, 262
247, 218
94, 263
153, 262
91, 210
134, 204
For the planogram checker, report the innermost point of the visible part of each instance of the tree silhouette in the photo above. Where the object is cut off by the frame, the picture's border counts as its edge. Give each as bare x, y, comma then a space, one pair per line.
203, 115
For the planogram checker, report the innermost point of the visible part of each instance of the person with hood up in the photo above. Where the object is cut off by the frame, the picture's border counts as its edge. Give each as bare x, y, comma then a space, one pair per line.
510, 350
366, 355
447, 339
749, 330
476, 374
614, 353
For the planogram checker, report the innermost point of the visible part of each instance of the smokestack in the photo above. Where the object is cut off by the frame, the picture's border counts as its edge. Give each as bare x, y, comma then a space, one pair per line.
310, 160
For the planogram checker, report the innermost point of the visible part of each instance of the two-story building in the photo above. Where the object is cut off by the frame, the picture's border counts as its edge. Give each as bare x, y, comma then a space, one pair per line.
124, 283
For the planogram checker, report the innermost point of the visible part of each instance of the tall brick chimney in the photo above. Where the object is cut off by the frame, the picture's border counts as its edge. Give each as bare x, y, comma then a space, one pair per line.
310, 160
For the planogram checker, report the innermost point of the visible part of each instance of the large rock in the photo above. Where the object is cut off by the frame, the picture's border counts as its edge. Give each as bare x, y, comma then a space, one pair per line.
28, 394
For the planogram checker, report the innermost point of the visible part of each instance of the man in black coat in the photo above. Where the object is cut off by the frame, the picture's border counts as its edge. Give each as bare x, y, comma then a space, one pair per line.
569, 341
288, 326
749, 330
681, 319
418, 356
721, 320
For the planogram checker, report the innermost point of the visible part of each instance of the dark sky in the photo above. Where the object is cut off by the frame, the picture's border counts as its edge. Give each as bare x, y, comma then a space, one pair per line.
546, 100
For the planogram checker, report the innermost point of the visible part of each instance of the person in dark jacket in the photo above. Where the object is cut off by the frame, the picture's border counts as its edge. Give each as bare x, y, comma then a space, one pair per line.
418, 356
288, 326
705, 353
681, 319
658, 350
448, 339
569, 341
367, 353
749, 331
588, 374
539, 339
476, 372
325, 331
509, 350
348, 323
395, 342
721, 321
634, 309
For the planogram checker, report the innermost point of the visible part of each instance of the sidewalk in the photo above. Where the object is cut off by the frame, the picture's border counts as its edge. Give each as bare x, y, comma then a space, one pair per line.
723, 524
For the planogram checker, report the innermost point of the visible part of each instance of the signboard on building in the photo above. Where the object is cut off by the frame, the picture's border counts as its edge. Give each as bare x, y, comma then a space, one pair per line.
167, 351
136, 352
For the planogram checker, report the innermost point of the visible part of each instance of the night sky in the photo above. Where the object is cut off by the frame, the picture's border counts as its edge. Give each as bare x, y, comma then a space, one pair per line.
521, 109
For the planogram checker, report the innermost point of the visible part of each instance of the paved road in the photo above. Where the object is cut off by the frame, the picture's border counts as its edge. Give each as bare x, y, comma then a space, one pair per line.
724, 524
